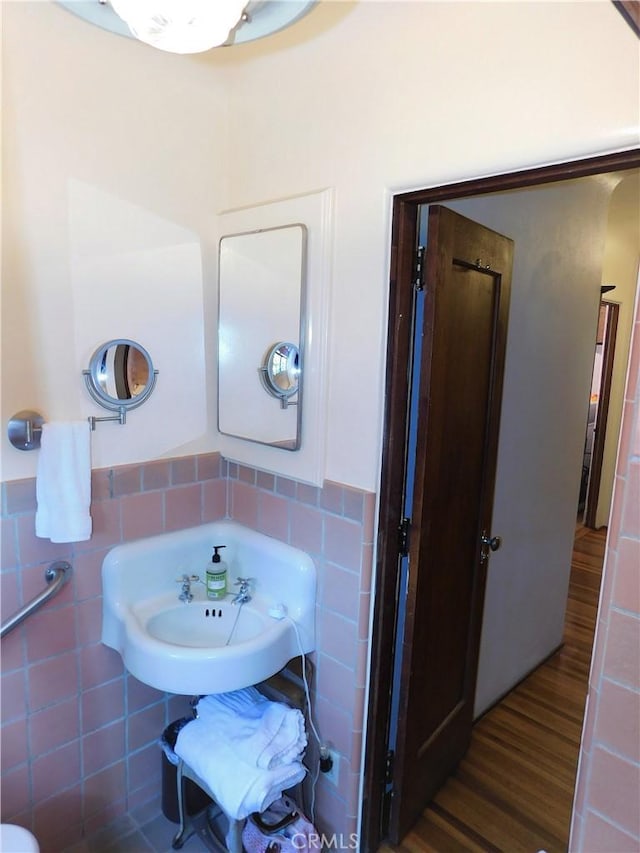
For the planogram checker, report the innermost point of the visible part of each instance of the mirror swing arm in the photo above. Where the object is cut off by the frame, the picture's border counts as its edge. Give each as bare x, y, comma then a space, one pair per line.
130, 373
121, 417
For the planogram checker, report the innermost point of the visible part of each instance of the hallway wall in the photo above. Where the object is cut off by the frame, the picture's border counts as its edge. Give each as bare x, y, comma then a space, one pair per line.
620, 268
559, 237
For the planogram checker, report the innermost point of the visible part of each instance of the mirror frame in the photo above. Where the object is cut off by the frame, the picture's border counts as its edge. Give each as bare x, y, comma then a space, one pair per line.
114, 404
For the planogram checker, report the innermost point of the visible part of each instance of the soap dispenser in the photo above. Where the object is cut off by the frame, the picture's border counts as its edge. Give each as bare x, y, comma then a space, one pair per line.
216, 575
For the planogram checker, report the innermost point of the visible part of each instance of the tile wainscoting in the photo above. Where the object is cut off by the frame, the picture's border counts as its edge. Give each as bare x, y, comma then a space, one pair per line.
606, 814
79, 735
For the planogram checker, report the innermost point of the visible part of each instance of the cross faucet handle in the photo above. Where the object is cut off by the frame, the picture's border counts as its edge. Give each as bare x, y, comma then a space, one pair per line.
244, 581
188, 579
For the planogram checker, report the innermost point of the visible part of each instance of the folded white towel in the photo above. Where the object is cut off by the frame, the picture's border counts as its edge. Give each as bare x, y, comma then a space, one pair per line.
63, 482
267, 734
239, 788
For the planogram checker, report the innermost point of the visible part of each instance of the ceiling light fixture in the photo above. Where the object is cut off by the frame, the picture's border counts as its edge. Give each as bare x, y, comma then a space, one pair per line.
190, 26
185, 26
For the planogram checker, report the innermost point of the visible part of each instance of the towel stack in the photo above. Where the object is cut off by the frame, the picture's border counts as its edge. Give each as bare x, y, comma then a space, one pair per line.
246, 748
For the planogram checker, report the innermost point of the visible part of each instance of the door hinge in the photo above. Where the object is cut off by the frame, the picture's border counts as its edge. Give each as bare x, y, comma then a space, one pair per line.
403, 536
418, 269
385, 814
389, 763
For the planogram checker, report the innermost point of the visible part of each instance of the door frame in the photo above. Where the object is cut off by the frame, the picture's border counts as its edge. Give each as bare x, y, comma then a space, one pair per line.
401, 275
602, 415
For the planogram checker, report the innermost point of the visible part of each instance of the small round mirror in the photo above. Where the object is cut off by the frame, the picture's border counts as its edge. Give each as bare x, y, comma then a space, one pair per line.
120, 375
281, 370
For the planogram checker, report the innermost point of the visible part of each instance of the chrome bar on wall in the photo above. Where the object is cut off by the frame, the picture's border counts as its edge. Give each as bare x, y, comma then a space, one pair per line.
55, 576
25, 430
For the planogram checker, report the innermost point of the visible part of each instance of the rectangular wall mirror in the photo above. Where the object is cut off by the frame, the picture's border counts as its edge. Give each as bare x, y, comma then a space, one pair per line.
261, 321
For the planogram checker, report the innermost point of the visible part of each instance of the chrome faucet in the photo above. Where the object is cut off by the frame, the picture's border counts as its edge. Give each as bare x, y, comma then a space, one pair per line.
185, 592
243, 594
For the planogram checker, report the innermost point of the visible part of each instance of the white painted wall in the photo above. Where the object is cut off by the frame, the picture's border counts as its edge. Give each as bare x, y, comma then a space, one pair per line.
366, 98
559, 233
114, 165
134, 275
378, 97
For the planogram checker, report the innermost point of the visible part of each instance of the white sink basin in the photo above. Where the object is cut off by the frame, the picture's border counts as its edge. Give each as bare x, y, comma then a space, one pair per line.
207, 646
202, 624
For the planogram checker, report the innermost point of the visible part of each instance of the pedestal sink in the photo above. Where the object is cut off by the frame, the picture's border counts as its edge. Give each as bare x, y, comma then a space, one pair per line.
205, 646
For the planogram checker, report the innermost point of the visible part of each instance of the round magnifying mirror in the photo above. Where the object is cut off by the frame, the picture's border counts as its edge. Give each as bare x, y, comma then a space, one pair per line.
120, 374
282, 369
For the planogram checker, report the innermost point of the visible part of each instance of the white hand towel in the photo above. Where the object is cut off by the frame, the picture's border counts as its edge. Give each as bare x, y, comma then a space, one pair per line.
239, 788
267, 734
63, 482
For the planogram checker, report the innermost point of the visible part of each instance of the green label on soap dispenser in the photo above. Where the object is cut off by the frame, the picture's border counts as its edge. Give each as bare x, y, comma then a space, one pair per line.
216, 584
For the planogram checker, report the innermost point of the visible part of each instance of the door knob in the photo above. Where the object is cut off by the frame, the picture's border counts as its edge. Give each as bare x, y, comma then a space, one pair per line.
493, 542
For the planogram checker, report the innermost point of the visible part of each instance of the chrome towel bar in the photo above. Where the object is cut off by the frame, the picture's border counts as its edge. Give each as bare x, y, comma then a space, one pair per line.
55, 576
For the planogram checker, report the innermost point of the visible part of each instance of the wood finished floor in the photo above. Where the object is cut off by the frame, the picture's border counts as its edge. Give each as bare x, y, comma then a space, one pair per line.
513, 791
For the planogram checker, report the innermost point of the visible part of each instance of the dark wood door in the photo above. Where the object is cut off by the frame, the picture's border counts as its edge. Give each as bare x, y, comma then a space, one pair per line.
468, 276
